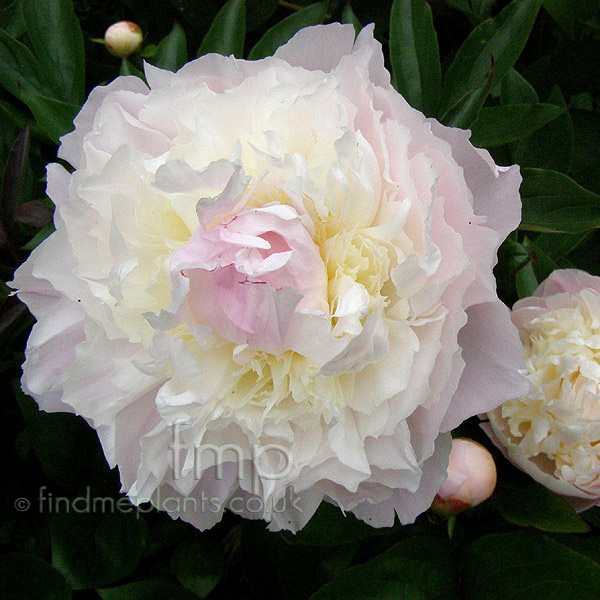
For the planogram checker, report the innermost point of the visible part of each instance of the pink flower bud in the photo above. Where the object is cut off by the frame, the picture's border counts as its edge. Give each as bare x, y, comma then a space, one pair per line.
471, 478
123, 38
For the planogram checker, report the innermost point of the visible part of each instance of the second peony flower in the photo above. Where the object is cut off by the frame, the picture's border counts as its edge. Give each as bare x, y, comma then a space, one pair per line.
553, 432
271, 286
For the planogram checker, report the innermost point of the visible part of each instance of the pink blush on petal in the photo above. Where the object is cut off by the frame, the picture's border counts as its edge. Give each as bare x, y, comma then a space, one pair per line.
248, 276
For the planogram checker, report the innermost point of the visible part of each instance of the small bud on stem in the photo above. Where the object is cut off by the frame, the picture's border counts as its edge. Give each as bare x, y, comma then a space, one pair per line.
471, 478
123, 38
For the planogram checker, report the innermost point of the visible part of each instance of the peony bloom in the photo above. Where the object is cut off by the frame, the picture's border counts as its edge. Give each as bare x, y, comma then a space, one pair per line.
271, 285
553, 433
471, 478
123, 38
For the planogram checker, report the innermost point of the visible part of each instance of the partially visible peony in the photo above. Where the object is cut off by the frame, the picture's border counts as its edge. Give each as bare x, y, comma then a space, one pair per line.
471, 478
123, 38
279, 263
553, 433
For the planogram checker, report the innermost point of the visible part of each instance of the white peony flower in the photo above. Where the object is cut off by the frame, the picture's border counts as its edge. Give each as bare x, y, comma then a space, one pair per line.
271, 285
553, 433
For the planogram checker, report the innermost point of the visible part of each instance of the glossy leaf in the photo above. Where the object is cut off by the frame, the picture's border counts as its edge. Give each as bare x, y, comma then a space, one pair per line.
147, 590
515, 89
279, 34
68, 450
349, 18
128, 68
39, 237
466, 110
502, 37
329, 526
535, 506
559, 245
11, 19
573, 66
498, 125
542, 263
30, 577
171, 53
198, 564
554, 202
586, 151
258, 12
12, 183
551, 146
526, 281
20, 70
227, 33
302, 570
527, 566
93, 547
414, 53
57, 40
53, 116
471, 8
19, 117
418, 568
569, 14
512, 258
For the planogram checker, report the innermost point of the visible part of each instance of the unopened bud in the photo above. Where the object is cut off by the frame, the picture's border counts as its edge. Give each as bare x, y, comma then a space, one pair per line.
123, 38
471, 478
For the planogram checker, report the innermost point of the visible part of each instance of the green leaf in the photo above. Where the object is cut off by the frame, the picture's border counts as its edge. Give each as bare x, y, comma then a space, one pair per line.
302, 570
11, 19
39, 237
147, 590
526, 281
512, 258
349, 18
502, 38
527, 566
20, 71
19, 118
12, 183
554, 202
499, 125
279, 34
53, 116
27, 576
57, 41
515, 89
258, 12
227, 33
171, 53
466, 110
543, 264
329, 526
415, 54
558, 245
572, 65
472, 8
198, 564
93, 546
535, 506
417, 568
128, 68
551, 146
569, 14
69, 450
586, 151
